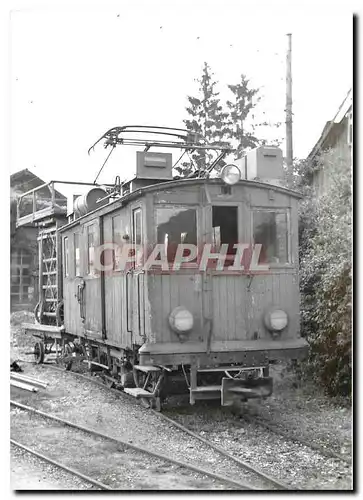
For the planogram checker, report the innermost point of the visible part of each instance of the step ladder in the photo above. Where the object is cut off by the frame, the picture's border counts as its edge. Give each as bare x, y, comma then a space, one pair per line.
49, 308
152, 398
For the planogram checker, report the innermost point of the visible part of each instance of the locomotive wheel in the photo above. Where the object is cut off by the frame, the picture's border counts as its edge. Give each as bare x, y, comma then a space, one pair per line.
66, 351
39, 352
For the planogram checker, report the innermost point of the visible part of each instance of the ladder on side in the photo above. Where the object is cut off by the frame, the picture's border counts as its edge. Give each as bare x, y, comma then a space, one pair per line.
49, 310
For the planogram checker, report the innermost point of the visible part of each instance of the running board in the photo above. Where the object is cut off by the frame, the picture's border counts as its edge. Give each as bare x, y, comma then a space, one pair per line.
138, 393
38, 327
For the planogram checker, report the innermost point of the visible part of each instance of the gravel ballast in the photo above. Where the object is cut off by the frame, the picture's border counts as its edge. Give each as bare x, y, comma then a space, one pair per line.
81, 401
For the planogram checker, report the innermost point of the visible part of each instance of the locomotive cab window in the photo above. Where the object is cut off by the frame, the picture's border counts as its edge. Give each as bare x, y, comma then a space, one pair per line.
176, 225
91, 250
137, 235
66, 257
225, 227
270, 229
77, 261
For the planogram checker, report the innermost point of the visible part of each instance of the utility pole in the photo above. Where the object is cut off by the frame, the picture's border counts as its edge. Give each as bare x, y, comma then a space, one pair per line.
288, 110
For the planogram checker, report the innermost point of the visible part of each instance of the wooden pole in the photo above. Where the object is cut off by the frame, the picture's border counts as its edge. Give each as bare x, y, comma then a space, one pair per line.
289, 146
23, 385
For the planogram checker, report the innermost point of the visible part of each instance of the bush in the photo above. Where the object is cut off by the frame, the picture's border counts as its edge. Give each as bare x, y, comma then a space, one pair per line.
326, 278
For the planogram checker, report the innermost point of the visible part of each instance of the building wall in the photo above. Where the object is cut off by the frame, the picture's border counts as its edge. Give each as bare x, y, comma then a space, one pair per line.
339, 143
24, 269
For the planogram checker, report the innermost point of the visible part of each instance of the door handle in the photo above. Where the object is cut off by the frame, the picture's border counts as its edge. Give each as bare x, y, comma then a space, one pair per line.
80, 296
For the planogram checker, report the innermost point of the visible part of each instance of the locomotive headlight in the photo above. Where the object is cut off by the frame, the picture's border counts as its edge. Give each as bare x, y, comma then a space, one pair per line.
276, 320
181, 320
230, 174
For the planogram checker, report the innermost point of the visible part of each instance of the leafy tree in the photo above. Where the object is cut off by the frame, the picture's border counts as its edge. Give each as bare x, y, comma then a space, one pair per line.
326, 277
207, 118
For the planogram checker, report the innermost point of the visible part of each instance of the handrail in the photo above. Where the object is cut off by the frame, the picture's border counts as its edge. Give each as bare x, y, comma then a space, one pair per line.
27, 193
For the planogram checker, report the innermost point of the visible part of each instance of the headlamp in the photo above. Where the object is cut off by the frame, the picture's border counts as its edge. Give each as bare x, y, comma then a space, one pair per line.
230, 174
276, 320
181, 320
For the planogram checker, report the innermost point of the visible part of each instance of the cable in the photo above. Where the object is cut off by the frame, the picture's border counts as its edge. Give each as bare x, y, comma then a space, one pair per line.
104, 163
176, 163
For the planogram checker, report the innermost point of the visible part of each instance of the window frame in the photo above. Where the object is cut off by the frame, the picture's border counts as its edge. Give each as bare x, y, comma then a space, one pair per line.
75, 234
197, 208
94, 233
229, 204
286, 210
66, 256
18, 265
137, 209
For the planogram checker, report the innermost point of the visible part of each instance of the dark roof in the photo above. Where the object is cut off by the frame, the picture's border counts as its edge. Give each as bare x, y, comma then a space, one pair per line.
331, 126
25, 180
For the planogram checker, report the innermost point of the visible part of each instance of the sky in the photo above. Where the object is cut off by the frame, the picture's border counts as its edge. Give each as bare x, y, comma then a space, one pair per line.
76, 70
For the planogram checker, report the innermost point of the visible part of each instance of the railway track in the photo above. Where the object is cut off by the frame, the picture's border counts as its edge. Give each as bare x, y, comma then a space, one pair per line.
59, 465
262, 479
249, 419
286, 435
276, 483
269, 479
120, 444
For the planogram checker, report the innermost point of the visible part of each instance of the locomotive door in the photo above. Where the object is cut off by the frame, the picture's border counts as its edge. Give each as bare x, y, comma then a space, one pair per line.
135, 282
91, 298
227, 297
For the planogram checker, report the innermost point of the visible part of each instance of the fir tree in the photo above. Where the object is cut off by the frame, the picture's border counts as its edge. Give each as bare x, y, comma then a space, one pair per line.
244, 101
207, 118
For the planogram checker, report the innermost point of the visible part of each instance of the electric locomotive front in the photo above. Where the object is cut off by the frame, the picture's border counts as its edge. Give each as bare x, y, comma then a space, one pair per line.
223, 298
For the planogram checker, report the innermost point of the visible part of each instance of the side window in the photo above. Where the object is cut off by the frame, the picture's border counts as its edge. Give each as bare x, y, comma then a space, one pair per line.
176, 225
225, 227
270, 229
77, 259
91, 249
137, 235
117, 234
66, 256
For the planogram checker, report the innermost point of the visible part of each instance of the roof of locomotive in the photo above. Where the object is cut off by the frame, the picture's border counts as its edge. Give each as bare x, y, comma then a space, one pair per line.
129, 197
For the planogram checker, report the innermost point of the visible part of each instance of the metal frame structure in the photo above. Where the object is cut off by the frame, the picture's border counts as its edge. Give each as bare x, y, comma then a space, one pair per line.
184, 139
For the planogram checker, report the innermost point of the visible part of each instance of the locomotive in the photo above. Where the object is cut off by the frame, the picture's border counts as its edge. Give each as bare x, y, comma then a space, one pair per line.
167, 284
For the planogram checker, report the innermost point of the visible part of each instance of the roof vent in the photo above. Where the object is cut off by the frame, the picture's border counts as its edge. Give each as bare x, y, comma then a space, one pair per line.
263, 164
152, 165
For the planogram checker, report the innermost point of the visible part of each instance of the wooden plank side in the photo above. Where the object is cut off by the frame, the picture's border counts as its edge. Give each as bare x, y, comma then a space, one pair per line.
240, 308
155, 304
113, 301
72, 318
167, 335
93, 306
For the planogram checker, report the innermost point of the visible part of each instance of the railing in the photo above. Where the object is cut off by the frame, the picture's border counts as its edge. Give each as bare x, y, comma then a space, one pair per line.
46, 206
